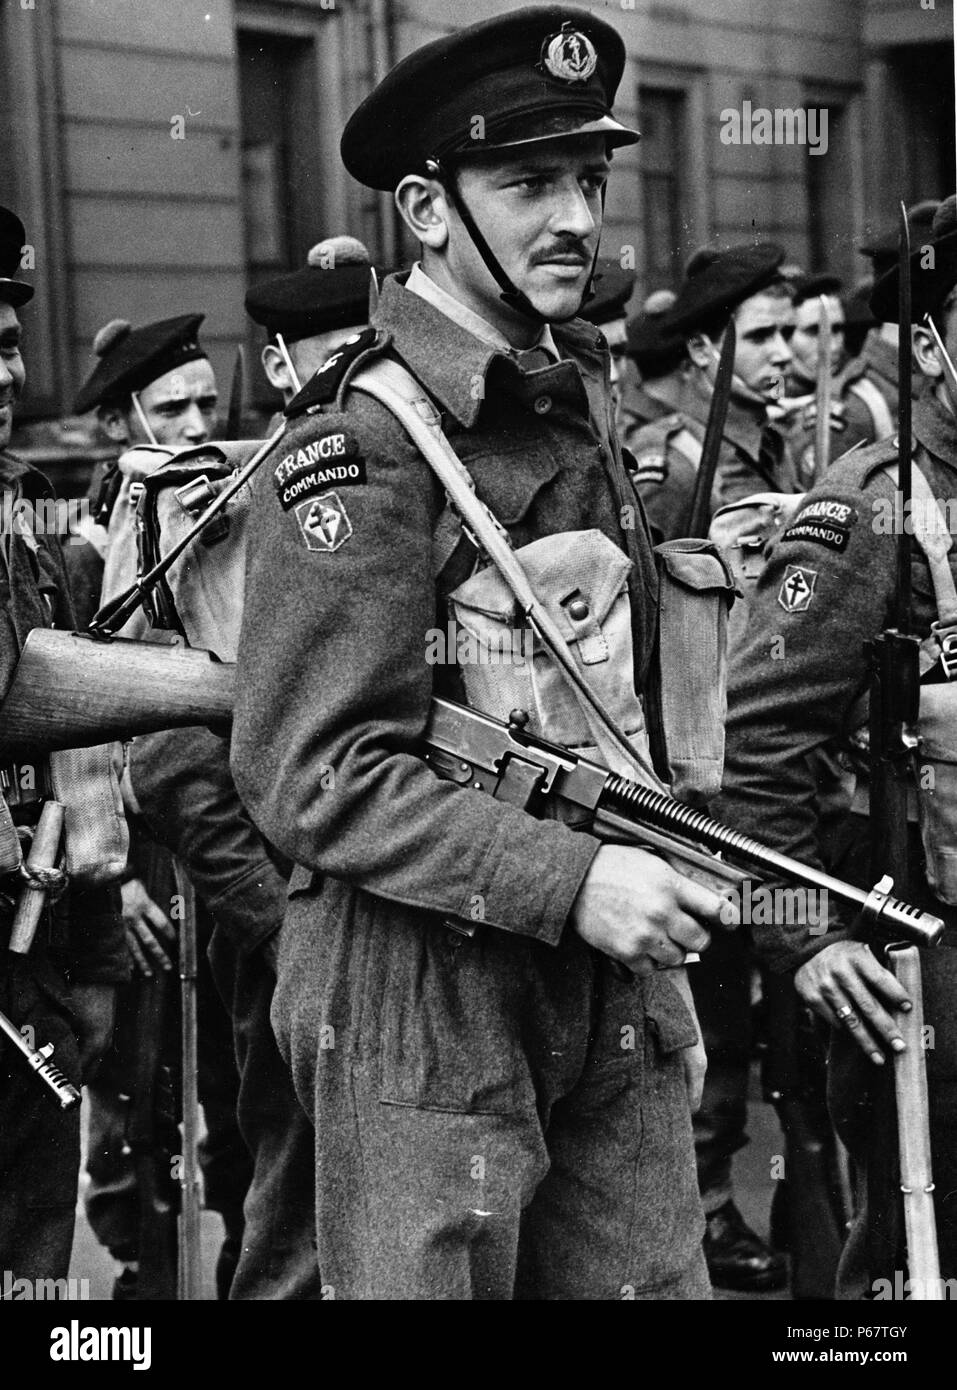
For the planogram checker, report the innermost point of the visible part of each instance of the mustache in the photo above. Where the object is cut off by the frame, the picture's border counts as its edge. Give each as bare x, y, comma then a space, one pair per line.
564, 248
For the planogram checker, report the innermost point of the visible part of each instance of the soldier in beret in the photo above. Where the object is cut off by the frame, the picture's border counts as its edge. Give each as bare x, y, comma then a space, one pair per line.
64, 989
799, 405
659, 360
155, 385
828, 586
150, 385
310, 313
480, 1130
743, 282
607, 309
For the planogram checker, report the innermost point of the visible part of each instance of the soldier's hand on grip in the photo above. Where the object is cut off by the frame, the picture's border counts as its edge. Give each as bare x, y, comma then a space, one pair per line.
633, 907
850, 989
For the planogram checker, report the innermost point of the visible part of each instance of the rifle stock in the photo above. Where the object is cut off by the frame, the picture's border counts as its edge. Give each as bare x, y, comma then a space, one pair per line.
70, 691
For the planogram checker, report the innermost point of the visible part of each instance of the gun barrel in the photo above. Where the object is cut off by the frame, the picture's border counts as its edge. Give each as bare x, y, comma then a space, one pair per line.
906, 922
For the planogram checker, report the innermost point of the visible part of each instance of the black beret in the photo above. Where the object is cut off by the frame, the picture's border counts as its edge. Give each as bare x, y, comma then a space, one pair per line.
652, 339
12, 241
716, 283
809, 286
881, 250
130, 358
331, 291
538, 73
930, 284
613, 289
857, 309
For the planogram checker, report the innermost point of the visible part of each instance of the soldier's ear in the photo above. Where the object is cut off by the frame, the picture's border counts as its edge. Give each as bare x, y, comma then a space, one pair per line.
277, 373
114, 424
424, 209
700, 350
925, 352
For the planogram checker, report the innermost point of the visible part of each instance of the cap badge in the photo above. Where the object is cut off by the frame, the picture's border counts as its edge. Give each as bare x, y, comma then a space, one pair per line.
570, 55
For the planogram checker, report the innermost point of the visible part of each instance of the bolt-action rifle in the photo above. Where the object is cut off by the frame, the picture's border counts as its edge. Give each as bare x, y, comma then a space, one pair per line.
894, 709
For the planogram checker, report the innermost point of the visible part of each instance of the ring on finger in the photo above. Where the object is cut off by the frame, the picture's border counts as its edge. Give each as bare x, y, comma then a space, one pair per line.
844, 1013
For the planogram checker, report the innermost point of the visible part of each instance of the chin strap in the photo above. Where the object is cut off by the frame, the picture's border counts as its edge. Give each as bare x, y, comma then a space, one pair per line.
511, 295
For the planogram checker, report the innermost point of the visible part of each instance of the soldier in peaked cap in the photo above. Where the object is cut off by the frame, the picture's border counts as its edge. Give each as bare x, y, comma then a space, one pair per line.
829, 585
743, 282
310, 313
480, 1130
64, 989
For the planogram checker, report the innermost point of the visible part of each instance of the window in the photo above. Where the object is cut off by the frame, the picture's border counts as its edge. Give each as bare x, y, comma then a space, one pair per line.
661, 120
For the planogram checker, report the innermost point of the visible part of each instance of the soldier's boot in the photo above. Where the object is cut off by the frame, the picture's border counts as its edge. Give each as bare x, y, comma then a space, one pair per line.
738, 1259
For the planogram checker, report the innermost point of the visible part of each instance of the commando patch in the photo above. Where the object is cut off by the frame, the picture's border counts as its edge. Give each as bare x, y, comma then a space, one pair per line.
797, 589
824, 522
332, 460
324, 522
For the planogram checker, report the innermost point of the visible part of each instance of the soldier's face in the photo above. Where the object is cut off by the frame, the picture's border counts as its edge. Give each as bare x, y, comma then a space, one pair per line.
806, 340
12, 371
540, 210
180, 406
764, 326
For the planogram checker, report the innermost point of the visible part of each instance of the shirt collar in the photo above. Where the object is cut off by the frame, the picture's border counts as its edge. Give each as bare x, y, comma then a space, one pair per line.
425, 287
880, 355
743, 426
936, 428
450, 359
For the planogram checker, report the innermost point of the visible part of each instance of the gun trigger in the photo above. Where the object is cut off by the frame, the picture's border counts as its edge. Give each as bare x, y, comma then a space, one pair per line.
449, 767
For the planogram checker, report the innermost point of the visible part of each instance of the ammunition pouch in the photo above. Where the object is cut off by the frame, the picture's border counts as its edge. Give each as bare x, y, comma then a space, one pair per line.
581, 579
95, 833
695, 594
